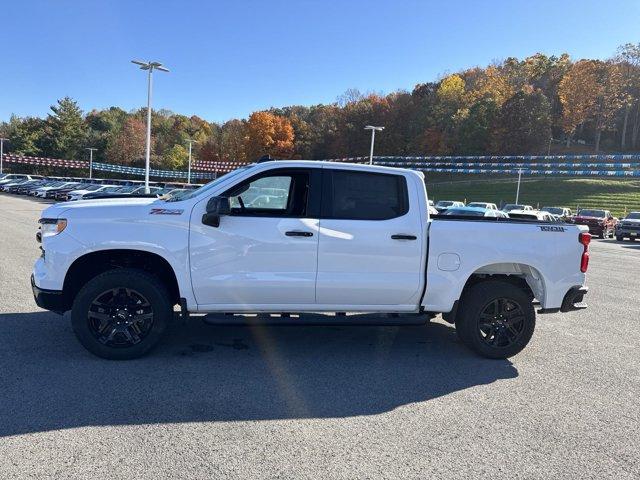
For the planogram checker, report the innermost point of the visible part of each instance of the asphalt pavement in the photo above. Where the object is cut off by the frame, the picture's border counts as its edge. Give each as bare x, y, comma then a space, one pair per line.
405, 402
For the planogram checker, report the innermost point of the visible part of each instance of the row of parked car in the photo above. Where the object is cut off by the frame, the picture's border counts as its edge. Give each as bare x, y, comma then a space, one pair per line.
71, 189
600, 222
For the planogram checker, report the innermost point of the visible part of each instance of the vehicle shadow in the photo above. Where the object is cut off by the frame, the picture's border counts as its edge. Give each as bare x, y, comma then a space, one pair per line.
203, 373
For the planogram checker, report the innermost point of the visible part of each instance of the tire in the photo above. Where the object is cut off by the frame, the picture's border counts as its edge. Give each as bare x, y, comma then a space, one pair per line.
506, 334
619, 238
601, 235
121, 314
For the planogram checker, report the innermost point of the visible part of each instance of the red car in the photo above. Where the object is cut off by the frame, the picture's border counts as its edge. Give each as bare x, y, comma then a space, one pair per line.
600, 222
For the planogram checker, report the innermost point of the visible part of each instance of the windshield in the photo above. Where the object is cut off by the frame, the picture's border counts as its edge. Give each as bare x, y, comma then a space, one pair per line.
194, 193
127, 189
592, 213
524, 216
466, 213
554, 210
444, 203
92, 188
477, 204
513, 206
634, 216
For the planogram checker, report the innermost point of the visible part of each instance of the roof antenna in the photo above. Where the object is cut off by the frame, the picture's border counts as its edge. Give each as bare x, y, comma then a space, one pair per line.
264, 158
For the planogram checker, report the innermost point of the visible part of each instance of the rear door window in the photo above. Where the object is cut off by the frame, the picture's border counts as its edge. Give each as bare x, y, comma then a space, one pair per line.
349, 195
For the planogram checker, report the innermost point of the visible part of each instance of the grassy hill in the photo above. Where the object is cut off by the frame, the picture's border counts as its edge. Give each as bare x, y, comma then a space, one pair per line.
617, 195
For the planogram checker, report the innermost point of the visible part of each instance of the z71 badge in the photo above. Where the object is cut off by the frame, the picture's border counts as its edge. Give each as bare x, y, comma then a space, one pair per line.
551, 228
166, 211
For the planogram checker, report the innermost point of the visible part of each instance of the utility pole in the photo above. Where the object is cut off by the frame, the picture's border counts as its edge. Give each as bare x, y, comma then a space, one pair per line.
149, 66
518, 190
373, 139
91, 150
2, 140
190, 142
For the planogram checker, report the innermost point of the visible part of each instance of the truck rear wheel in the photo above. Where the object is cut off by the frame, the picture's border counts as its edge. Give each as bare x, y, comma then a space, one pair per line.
496, 319
121, 314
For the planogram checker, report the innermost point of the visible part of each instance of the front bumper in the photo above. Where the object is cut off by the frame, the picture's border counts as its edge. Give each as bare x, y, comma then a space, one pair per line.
53, 300
627, 231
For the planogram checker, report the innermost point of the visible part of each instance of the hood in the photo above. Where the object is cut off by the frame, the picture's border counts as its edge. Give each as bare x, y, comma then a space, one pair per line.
103, 207
635, 221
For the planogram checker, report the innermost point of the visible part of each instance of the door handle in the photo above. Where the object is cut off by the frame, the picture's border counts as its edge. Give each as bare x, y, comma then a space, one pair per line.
402, 236
296, 233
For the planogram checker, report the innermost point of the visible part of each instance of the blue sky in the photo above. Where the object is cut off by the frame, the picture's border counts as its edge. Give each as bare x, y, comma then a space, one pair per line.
229, 58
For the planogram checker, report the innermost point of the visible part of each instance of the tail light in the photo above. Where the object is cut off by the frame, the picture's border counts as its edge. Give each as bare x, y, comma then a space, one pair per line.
585, 239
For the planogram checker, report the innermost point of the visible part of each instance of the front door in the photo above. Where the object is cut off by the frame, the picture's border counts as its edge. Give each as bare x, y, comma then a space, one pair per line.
264, 253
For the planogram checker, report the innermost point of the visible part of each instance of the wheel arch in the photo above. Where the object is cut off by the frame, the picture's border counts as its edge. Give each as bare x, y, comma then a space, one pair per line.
522, 275
89, 265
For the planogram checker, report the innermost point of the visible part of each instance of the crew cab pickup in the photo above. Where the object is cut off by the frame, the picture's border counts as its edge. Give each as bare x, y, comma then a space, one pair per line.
599, 222
301, 236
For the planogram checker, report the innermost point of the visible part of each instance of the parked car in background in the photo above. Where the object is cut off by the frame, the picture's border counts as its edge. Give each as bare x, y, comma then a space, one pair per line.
127, 191
442, 205
490, 206
475, 212
14, 177
21, 185
5, 187
49, 191
516, 206
562, 213
600, 222
532, 215
79, 194
628, 227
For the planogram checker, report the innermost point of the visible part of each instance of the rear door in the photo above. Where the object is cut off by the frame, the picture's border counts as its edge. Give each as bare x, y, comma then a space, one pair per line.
371, 240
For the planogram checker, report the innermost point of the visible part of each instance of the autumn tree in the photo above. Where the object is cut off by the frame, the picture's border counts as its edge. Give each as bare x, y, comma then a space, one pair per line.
268, 134
127, 147
233, 141
578, 94
609, 97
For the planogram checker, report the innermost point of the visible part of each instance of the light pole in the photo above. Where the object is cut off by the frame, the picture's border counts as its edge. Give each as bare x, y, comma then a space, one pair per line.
150, 67
91, 150
518, 190
2, 140
373, 139
190, 142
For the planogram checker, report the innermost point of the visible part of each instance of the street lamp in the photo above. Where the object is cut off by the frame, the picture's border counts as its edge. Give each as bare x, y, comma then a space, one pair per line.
2, 140
190, 142
373, 139
91, 150
518, 189
150, 67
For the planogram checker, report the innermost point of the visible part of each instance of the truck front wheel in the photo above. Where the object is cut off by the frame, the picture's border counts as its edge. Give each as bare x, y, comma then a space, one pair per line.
121, 314
496, 319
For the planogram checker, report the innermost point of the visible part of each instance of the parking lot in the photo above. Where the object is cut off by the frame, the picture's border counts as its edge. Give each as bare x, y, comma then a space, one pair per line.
309, 402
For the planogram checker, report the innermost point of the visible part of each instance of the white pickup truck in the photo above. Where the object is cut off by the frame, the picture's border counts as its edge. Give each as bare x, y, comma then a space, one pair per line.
301, 236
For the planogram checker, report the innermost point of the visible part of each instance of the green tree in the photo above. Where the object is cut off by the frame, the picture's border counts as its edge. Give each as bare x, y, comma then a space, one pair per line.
474, 135
25, 135
65, 131
524, 124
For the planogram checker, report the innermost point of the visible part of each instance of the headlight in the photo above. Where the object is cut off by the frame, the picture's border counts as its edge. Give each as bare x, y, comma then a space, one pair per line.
51, 226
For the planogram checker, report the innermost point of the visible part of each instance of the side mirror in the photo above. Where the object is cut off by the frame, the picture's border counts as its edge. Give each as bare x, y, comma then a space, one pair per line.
216, 207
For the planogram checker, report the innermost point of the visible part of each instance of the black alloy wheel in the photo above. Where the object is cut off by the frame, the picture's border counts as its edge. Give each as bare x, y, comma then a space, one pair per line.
501, 322
120, 317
